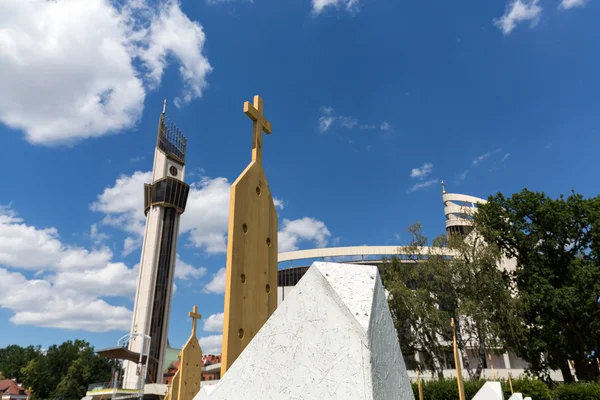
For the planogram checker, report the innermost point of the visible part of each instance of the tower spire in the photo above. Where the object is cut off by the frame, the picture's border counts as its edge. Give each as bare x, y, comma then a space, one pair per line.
164, 106
443, 188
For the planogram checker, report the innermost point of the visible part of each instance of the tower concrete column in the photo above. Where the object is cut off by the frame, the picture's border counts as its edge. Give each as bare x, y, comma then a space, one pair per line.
164, 201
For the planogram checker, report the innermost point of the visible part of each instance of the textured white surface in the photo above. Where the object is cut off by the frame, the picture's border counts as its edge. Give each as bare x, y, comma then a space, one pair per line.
332, 338
490, 391
516, 396
527, 398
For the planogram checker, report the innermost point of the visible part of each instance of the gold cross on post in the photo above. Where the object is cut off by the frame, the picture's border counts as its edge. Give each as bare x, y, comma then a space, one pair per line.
195, 316
255, 113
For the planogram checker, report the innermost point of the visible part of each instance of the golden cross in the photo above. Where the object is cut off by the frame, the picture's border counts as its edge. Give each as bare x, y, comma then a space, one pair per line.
195, 316
260, 124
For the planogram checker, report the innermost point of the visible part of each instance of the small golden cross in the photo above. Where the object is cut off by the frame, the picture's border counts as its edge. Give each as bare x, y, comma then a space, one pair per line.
195, 316
260, 124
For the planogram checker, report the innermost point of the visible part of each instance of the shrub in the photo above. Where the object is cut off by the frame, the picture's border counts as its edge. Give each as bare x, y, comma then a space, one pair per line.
530, 387
577, 391
446, 389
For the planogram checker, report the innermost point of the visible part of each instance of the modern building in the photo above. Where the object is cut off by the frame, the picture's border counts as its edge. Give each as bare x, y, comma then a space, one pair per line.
164, 201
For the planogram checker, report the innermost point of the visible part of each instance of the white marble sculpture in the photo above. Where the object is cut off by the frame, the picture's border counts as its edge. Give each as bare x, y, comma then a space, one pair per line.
490, 391
516, 396
332, 338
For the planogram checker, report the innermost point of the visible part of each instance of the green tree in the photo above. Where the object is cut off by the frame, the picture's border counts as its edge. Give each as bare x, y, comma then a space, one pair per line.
65, 371
454, 278
556, 243
13, 358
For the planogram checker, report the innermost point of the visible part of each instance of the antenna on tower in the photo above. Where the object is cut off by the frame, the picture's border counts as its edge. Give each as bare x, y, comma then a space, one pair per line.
443, 188
164, 106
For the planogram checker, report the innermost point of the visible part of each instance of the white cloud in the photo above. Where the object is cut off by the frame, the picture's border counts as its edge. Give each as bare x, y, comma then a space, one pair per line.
566, 4
464, 174
79, 69
214, 323
97, 237
348, 122
422, 172
422, 185
303, 229
328, 118
278, 203
386, 127
518, 11
27, 247
482, 157
72, 283
319, 5
40, 303
186, 271
325, 122
505, 156
205, 218
217, 284
211, 344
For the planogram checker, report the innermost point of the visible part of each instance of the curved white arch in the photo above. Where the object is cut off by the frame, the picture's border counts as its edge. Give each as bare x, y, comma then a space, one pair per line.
353, 251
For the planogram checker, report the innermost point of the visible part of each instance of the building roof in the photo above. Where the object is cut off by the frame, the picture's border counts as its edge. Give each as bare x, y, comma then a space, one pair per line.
8, 386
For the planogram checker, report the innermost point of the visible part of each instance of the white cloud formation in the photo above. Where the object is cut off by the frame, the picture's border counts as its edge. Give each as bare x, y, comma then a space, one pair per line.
303, 229
566, 4
71, 283
422, 172
482, 157
214, 323
518, 11
79, 69
278, 203
325, 122
328, 118
27, 247
185, 271
40, 303
211, 344
319, 5
205, 218
505, 156
217, 283
422, 185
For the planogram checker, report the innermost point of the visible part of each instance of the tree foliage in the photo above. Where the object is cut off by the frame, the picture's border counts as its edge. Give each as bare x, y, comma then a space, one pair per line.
62, 371
429, 287
556, 243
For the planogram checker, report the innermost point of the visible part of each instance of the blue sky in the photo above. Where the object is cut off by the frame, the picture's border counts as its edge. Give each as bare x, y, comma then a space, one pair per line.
373, 103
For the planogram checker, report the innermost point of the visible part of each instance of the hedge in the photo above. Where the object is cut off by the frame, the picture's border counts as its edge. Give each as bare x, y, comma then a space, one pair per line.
446, 389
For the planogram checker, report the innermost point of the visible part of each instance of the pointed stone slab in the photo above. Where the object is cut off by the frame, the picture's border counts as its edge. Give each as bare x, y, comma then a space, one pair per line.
516, 396
490, 391
332, 338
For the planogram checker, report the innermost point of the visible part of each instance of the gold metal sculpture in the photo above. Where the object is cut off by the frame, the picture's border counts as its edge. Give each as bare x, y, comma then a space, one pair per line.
186, 382
251, 271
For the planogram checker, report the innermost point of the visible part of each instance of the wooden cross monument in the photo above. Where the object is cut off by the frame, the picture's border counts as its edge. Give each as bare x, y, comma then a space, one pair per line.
186, 382
251, 272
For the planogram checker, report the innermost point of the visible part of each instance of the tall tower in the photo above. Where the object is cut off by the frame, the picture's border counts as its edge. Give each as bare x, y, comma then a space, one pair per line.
164, 201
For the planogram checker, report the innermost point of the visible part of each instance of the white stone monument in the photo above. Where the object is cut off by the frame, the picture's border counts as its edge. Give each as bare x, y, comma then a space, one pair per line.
490, 391
332, 338
516, 396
